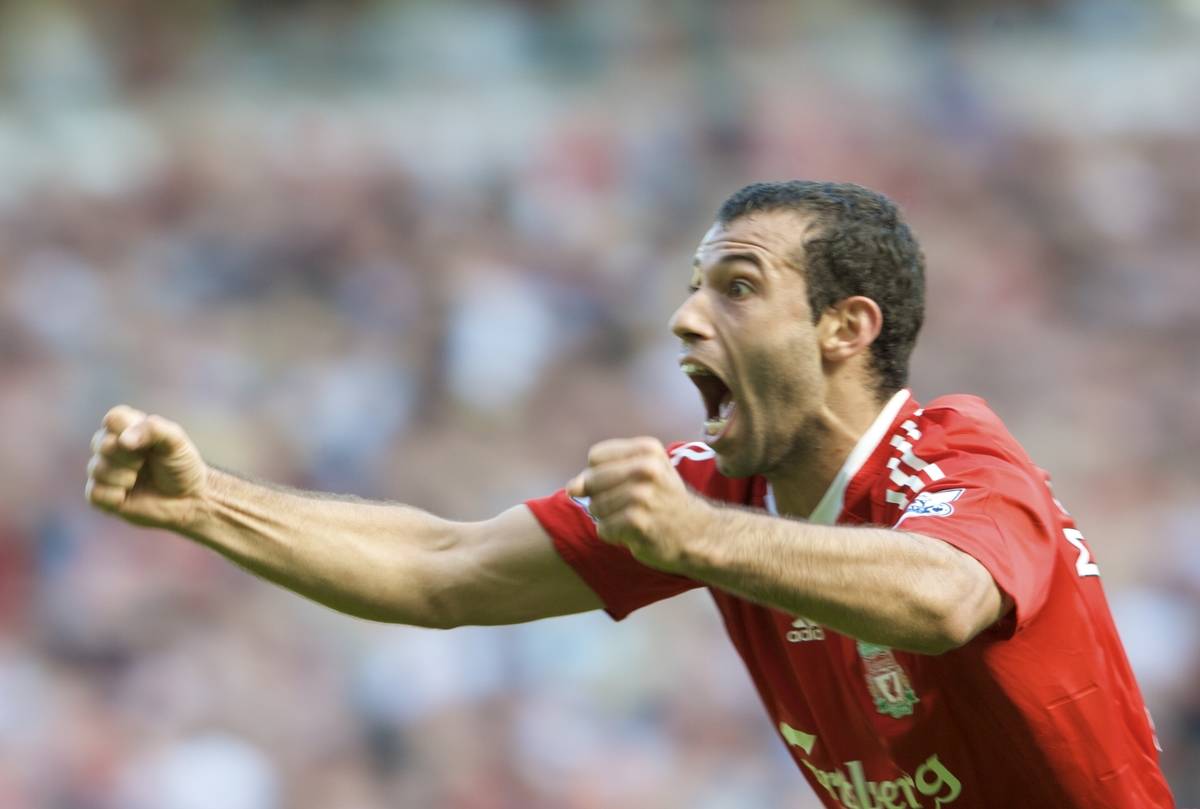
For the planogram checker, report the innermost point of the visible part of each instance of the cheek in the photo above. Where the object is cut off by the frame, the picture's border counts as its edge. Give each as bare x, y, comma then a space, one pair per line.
788, 371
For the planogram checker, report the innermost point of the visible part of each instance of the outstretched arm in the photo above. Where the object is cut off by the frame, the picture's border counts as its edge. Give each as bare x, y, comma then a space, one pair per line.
381, 561
876, 584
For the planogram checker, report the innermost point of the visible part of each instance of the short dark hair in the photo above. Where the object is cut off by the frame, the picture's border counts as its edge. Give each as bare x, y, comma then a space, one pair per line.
861, 247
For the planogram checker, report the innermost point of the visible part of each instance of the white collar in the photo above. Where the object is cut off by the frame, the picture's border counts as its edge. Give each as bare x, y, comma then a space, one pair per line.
827, 511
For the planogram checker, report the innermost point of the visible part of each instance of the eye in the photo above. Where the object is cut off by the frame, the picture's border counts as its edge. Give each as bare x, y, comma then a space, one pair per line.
739, 288
693, 288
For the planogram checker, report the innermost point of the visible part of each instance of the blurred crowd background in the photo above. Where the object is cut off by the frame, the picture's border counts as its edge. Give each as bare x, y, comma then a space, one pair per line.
427, 251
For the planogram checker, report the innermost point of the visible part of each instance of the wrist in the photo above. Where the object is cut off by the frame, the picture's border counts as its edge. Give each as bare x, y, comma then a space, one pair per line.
197, 521
700, 543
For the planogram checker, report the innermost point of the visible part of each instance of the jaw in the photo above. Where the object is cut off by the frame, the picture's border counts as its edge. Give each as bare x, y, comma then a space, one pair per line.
763, 446
740, 455
732, 467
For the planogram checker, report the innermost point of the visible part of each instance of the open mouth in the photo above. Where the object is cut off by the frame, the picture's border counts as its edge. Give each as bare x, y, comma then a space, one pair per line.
719, 403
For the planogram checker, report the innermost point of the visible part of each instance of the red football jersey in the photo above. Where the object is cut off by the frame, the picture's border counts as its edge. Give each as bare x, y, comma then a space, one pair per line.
1040, 711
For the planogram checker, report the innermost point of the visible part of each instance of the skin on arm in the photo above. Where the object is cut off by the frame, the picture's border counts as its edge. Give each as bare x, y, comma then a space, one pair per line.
876, 584
884, 586
381, 561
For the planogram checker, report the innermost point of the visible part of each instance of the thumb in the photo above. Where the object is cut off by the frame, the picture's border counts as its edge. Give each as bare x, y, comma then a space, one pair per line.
575, 486
133, 438
152, 433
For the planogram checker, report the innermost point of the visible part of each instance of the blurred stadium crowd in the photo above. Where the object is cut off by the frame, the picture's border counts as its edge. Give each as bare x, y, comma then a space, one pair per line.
426, 252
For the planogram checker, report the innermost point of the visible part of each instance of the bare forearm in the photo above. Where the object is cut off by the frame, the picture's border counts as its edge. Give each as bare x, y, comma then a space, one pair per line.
373, 560
884, 586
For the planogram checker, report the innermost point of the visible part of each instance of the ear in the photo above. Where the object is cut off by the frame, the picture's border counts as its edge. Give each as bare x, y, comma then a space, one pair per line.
848, 328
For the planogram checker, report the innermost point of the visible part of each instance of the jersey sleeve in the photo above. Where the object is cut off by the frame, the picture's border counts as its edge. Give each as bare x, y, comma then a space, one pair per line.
622, 582
996, 513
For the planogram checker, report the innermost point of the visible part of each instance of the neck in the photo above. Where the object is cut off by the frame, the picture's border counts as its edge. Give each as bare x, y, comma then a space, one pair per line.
833, 431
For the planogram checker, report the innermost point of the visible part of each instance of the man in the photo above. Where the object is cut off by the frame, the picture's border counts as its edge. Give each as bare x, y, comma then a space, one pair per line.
922, 619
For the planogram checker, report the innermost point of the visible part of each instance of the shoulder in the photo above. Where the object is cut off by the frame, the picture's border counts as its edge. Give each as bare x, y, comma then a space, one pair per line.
961, 411
949, 446
696, 463
965, 425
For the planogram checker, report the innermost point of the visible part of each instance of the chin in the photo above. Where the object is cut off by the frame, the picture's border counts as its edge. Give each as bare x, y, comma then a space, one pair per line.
733, 467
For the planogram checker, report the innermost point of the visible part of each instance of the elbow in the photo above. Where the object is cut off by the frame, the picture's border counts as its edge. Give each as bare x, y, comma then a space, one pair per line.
939, 636
954, 632
944, 631
433, 602
440, 610
427, 613
970, 603
447, 594
409, 608
420, 590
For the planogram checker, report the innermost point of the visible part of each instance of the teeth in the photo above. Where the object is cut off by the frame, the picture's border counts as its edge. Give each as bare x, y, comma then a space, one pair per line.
692, 369
714, 427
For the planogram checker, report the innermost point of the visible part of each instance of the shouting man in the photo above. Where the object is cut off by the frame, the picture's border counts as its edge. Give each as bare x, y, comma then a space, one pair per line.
923, 620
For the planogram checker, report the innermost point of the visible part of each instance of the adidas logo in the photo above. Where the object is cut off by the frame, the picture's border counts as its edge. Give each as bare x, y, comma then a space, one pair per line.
805, 630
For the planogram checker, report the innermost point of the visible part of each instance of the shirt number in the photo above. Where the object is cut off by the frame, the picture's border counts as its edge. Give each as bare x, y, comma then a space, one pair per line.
1084, 565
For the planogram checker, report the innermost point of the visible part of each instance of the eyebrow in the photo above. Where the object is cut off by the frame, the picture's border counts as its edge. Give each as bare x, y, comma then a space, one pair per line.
746, 256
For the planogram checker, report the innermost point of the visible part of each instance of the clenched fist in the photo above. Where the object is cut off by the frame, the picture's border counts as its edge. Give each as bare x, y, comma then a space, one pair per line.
640, 501
146, 470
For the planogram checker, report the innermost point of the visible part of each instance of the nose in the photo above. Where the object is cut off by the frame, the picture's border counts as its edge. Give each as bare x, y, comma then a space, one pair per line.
690, 322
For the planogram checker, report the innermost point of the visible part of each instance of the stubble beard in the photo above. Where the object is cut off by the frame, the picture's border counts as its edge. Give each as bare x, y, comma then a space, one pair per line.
782, 457
801, 450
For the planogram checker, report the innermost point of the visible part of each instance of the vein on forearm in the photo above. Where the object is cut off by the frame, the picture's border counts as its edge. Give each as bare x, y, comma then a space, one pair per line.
362, 557
307, 494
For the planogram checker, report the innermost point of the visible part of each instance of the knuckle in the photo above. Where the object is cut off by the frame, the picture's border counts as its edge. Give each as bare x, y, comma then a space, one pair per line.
100, 466
123, 478
126, 434
637, 519
648, 444
114, 496
101, 495
606, 450
112, 418
172, 432
121, 416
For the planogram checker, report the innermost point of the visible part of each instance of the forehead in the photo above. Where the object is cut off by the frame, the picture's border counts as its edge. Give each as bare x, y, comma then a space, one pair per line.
776, 237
